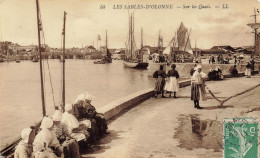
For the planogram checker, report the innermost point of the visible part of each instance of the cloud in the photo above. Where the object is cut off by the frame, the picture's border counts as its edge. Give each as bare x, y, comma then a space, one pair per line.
229, 18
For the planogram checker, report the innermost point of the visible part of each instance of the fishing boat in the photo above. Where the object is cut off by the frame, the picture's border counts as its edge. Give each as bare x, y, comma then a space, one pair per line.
131, 60
179, 47
107, 58
35, 59
255, 26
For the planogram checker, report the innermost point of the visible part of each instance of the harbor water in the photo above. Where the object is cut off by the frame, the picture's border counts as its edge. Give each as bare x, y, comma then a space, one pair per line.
20, 89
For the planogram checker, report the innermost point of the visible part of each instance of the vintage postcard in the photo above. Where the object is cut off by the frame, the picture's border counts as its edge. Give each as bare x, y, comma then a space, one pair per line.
129, 78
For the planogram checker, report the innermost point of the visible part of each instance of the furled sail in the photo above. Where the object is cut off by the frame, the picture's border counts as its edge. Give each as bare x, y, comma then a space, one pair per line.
254, 25
183, 39
131, 45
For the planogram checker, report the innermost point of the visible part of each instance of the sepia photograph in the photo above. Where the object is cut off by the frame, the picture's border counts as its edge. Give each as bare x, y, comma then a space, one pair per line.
129, 78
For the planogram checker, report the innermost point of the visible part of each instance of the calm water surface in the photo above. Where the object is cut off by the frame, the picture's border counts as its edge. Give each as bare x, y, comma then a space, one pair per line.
20, 97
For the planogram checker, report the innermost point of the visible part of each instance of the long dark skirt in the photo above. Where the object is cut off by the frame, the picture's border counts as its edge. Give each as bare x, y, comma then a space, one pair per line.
159, 84
198, 92
71, 149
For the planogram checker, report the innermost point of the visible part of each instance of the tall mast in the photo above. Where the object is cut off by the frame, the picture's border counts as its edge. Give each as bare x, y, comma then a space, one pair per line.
106, 38
159, 41
63, 64
106, 43
131, 36
141, 49
255, 35
255, 26
142, 38
40, 54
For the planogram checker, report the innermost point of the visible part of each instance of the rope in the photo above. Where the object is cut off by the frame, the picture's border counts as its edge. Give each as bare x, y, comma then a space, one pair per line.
43, 39
225, 100
240, 93
51, 84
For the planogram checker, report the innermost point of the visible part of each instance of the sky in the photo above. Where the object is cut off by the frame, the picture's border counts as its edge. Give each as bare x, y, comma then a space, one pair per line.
85, 20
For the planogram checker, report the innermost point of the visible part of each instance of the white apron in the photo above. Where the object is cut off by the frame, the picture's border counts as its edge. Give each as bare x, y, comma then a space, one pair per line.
171, 85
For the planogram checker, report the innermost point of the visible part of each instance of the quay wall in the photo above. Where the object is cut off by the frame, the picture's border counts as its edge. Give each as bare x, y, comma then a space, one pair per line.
120, 106
117, 107
184, 68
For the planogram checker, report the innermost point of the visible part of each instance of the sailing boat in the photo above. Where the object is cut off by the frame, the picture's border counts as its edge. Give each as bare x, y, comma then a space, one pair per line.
9, 149
107, 58
255, 26
35, 59
182, 41
131, 60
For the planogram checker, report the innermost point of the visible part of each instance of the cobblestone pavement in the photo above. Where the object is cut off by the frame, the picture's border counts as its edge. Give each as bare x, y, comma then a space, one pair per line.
161, 127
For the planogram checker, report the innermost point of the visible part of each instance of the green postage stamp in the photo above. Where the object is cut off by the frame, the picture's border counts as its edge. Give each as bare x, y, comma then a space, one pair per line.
240, 138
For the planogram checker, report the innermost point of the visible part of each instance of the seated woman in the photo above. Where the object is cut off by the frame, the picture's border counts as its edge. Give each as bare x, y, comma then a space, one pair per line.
78, 110
101, 123
76, 130
24, 149
219, 75
233, 71
70, 145
211, 75
46, 143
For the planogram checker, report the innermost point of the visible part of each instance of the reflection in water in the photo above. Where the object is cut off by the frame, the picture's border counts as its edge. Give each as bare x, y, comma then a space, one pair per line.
196, 133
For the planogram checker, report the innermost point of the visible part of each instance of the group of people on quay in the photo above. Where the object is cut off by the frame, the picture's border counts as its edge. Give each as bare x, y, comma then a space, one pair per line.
63, 134
218, 59
166, 82
176, 58
169, 83
215, 74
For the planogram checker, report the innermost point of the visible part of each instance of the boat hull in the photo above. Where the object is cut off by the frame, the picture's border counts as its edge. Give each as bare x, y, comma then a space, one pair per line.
103, 61
135, 65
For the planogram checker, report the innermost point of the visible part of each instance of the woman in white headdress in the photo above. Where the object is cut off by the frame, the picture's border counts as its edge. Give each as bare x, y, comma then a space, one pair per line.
45, 140
198, 91
92, 114
24, 149
78, 109
76, 130
70, 145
